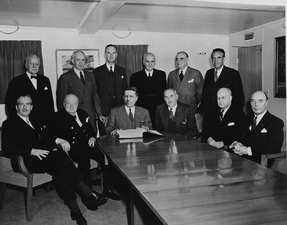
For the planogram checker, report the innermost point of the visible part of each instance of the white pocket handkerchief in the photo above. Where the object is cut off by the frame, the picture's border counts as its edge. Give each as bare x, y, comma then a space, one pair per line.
46, 88
122, 77
263, 130
231, 124
87, 119
190, 81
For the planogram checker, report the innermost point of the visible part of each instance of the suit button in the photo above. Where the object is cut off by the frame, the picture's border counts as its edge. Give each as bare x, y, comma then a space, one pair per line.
114, 96
73, 142
74, 137
72, 127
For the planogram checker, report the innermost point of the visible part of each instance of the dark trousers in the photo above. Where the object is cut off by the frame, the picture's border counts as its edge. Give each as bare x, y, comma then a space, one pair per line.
82, 156
65, 175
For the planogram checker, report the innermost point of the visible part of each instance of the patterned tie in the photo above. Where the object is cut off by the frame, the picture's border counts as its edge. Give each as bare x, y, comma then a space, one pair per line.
221, 114
82, 78
254, 123
131, 117
215, 76
181, 75
171, 114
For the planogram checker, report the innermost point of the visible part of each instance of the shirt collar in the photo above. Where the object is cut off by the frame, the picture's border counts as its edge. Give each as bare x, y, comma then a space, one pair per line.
132, 109
109, 67
219, 71
78, 71
149, 72
225, 110
259, 117
29, 74
183, 71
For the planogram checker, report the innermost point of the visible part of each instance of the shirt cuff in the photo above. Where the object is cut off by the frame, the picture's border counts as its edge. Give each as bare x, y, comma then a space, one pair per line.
249, 152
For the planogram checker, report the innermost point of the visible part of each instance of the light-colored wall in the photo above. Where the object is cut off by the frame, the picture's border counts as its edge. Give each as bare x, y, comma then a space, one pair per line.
164, 46
264, 35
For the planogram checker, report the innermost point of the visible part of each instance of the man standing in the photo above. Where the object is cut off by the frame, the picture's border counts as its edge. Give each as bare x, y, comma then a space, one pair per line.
263, 132
174, 116
21, 136
151, 84
128, 116
216, 78
111, 81
226, 122
187, 82
37, 86
73, 132
82, 84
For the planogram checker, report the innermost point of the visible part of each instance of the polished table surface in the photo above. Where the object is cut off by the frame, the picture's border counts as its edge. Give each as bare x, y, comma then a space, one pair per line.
189, 182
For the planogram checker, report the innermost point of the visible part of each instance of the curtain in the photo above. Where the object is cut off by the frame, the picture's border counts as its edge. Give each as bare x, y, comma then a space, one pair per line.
130, 57
12, 61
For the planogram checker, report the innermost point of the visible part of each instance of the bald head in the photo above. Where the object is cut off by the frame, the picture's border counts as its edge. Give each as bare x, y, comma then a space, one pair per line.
259, 102
71, 103
224, 98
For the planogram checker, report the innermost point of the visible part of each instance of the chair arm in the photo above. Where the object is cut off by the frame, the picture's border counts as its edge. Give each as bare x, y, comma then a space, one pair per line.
264, 158
22, 166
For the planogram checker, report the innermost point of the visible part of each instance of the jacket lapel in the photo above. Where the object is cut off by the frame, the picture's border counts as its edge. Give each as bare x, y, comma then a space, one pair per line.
123, 118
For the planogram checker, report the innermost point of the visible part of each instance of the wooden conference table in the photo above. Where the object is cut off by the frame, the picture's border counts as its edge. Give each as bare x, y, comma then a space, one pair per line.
189, 182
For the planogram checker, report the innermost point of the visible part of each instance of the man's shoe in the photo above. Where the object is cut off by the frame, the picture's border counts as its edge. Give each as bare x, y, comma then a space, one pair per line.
112, 195
79, 218
94, 200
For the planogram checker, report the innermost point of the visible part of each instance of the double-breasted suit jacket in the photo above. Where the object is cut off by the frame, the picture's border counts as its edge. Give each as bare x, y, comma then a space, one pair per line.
267, 137
184, 119
228, 129
189, 89
119, 119
70, 83
43, 104
110, 96
150, 89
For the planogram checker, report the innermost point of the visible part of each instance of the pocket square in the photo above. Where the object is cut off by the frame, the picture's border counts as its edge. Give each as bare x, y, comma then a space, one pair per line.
122, 77
184, 121
230, 124
87, 119
190, 81
263, 130
46, 88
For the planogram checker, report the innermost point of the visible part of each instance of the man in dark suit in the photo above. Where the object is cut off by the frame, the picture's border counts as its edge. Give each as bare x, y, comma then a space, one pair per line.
37, 86
111, 81
81, 83
187, 82
226, 122
263, 132
73, 132
21, 136
150, 83
174, 116
216, 78
128, 116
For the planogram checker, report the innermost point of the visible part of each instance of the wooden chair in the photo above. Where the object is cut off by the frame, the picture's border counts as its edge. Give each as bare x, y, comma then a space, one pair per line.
24, 179
280, 161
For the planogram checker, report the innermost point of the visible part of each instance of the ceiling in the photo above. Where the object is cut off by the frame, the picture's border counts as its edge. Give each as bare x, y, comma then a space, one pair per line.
218, 17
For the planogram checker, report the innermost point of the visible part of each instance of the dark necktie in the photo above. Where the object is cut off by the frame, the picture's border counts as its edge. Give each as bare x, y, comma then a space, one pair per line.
131, 116
181, 75
254, 123
215, 76
34, 76
111, 69
171, 114
82, 78
149, 76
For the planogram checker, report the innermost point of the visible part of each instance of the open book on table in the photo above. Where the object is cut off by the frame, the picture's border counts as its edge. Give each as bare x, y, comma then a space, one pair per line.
137, 133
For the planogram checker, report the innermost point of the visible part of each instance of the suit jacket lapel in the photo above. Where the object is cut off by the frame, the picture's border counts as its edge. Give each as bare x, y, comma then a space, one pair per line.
123, 117
178, 116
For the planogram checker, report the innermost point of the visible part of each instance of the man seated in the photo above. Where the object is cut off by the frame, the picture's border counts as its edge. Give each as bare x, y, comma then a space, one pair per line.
174, 116
226, 122
20, 136
73, 131
263, 132
128, 116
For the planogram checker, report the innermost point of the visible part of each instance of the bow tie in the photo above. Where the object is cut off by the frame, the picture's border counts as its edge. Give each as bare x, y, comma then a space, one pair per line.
35, 77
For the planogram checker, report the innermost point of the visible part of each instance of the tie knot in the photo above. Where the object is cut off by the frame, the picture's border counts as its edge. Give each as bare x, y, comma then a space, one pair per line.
75, 117
111, 69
